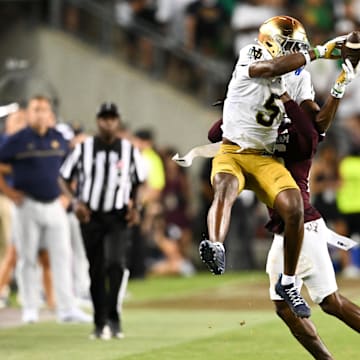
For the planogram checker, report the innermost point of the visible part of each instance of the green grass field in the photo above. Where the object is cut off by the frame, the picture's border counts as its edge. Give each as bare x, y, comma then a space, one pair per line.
163, 319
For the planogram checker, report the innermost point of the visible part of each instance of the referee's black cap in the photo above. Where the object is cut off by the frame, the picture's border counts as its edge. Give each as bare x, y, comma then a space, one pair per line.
108, 109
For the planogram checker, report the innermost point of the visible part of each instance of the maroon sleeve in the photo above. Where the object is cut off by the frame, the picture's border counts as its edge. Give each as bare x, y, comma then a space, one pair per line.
304, 136
215, 133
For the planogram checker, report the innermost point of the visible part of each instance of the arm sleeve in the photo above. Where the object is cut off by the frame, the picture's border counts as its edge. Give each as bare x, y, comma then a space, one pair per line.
68, 167
305, 89
215, 132
304, 137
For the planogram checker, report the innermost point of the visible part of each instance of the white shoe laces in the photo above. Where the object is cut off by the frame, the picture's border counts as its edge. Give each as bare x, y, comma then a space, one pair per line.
294, 296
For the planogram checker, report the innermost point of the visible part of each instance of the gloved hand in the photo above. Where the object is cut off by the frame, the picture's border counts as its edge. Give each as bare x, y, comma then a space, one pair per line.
347, 75
328, 50
277, 86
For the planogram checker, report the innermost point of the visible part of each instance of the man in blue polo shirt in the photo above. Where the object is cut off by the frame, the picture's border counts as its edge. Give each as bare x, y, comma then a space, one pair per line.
35, 155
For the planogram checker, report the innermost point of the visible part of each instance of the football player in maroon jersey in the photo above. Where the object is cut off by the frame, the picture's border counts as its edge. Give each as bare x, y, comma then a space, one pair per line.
297, 143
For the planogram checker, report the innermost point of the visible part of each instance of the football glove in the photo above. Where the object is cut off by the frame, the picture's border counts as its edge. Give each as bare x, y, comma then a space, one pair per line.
277, 86
331, 49
347, 75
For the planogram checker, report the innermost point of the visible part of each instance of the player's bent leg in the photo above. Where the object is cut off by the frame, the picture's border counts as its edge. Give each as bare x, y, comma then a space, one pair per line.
304, 331
342, 308
289, 204
226, 189
212, 252
291, 295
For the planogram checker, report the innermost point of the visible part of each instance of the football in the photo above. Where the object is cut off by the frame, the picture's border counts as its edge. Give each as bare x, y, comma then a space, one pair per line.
351, 48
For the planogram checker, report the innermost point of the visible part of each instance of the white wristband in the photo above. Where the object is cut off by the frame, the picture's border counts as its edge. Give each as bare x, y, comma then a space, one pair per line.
338, 90
306, 56
320, 51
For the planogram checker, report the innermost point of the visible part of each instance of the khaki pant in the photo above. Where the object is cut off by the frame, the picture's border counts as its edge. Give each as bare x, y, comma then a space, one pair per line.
263, 174
5, 222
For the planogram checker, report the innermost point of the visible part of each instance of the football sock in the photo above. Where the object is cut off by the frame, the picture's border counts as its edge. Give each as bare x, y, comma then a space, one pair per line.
287, 279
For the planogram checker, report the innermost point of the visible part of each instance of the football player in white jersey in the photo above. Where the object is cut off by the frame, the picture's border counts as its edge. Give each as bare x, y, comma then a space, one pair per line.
251, 117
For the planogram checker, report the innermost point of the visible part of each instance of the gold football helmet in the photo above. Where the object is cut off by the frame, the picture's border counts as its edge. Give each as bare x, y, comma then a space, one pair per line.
282, 35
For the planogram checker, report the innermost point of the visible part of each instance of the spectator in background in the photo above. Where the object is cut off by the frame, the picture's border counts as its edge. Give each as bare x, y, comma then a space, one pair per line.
204, 23
228, 6
348, 196
170, 14
323, 72
155, 181
240, 240
138, 16
149, 192
324, 184
164, 255
35, 155
176, 196
108, 170
318, 14
248, 16
352, 10
15, 122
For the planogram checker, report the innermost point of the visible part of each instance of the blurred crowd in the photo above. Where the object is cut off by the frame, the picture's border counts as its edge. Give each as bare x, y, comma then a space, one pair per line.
219, 28
191, 43
165, 241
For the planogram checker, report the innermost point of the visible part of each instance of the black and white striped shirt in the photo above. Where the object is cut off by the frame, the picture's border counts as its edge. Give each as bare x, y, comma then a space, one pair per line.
105, 174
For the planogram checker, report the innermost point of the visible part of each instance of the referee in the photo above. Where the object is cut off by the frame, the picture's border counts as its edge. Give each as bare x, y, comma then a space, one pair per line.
107, 171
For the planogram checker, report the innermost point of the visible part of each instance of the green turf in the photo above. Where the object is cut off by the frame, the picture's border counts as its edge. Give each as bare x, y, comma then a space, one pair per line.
169, 334
161, 288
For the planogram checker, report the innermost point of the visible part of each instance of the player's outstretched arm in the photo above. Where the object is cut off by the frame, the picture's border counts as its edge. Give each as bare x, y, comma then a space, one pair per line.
287, 63
328, 110
280, 65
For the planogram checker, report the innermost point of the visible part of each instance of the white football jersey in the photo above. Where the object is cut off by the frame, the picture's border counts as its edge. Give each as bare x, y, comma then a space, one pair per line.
299, 86
252, 114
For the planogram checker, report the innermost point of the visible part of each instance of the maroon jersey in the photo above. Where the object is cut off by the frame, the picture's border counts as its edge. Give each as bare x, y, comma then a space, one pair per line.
296, 144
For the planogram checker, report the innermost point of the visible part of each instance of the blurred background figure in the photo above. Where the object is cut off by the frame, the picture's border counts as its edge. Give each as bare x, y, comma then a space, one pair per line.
35, 154
150, 192
170, 14
15, 122
205, 22
247, 16
155, 181
164, 252
108, 171
139, 15
325, 182
242, 232
176, 199
348, 193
